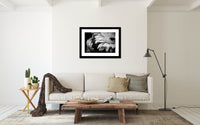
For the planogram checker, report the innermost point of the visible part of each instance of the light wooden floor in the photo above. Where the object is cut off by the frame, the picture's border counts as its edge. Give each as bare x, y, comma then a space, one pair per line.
7, 110
190, 114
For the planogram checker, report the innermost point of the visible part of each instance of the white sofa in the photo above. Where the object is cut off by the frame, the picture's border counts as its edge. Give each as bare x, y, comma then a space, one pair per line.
92, 85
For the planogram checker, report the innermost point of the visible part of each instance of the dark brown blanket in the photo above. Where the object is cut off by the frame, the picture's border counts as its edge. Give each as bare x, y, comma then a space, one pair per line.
41, 108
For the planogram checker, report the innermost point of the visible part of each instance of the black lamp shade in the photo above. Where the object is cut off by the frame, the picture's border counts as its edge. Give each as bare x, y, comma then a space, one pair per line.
147, 54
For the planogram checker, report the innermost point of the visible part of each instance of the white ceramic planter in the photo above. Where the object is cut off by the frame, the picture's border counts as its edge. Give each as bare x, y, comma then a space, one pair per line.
26, 81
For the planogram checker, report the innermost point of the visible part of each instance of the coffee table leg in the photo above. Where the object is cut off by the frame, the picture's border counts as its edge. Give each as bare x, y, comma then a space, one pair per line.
78, 115
121, 115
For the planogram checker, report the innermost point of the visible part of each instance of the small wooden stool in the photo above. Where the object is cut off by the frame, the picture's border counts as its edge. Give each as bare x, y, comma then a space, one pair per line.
29, 100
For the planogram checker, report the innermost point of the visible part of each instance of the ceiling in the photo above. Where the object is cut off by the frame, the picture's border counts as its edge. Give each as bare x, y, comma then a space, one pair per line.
6, 5
174, 5
28, 2
152, 5
172, 2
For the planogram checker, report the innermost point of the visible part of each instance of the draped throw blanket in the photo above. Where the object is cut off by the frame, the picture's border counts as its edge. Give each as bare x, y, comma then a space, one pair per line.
41, 108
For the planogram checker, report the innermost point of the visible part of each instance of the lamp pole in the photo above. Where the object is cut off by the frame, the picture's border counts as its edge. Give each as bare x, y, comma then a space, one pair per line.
163, 75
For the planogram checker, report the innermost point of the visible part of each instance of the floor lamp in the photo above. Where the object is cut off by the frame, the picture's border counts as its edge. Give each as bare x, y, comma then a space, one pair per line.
163, 75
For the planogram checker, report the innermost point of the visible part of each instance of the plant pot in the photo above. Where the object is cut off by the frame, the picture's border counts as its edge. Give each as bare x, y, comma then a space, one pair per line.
26, 81
28, 86
35, 85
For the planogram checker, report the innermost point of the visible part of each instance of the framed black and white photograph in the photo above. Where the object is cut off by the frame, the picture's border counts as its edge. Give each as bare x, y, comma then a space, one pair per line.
100, 42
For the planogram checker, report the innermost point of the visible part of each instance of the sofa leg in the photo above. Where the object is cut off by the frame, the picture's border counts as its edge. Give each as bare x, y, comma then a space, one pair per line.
137, 109
60, 108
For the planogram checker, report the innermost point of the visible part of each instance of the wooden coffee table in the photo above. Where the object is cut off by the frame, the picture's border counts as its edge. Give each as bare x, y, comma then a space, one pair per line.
124, 104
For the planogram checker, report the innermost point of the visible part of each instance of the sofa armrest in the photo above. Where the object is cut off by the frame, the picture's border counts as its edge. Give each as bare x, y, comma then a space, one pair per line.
47, 89
150, 87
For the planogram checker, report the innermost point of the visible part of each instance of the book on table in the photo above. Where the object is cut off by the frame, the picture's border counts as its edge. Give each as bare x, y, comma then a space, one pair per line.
114, 100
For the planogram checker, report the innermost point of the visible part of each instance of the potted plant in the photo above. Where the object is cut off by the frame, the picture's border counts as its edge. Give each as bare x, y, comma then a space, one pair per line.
27, 78
29, 86
35, 82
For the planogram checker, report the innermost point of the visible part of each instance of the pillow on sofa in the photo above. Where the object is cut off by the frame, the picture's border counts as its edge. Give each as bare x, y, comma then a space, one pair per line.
137, 83
117, 84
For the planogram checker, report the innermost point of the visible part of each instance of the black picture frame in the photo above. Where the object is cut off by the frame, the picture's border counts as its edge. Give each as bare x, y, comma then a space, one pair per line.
112, 50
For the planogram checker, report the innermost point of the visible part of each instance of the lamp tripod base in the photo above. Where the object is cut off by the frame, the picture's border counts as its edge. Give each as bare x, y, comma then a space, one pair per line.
164, 109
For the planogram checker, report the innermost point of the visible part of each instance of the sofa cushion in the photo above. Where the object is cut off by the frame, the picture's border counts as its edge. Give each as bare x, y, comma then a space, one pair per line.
117, 84
75, 81
100, 94
138, 83
97, 81
65, 96
133, 95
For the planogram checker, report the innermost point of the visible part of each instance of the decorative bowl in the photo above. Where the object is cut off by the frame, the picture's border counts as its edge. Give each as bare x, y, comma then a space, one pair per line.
87, 100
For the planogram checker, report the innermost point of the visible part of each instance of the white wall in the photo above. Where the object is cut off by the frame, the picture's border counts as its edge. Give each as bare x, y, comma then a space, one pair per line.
68, 16
176, 33
25, 41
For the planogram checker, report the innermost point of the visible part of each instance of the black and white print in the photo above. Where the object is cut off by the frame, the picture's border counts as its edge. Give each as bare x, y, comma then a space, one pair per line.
100, 42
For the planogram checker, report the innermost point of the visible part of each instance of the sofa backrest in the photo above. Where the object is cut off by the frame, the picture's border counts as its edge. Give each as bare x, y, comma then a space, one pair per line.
123, 75
75, 81
88, 81
97, 81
